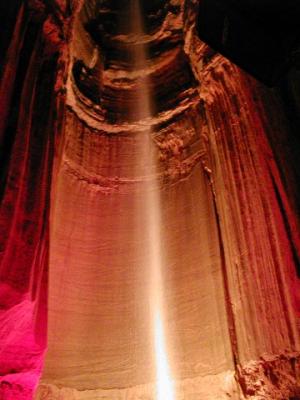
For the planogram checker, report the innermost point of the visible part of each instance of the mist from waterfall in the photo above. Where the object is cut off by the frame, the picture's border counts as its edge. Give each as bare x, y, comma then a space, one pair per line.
152, 214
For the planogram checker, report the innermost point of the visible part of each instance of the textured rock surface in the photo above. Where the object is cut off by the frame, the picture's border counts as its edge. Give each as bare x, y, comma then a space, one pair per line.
100, 197
211, 153
229, 233
28, 76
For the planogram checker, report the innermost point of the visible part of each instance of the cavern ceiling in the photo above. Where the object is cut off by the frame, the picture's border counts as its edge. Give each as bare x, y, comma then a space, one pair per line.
104, 67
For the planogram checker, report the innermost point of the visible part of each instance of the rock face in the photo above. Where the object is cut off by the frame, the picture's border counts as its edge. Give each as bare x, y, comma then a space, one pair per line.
185, 124
27, 131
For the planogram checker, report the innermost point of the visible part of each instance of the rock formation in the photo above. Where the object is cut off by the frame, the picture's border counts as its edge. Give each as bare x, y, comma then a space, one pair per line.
74, 217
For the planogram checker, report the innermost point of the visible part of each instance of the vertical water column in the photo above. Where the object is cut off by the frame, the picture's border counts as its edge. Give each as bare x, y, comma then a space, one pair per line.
154, 264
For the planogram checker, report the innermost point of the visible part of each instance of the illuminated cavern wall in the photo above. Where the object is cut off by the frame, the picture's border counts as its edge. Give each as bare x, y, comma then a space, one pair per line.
69, 104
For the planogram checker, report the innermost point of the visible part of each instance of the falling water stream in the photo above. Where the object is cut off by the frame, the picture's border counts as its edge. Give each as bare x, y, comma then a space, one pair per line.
152, 211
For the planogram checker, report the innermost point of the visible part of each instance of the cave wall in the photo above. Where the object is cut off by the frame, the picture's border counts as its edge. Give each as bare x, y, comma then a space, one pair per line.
30, 54
246, 132
228, 211
98, 259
